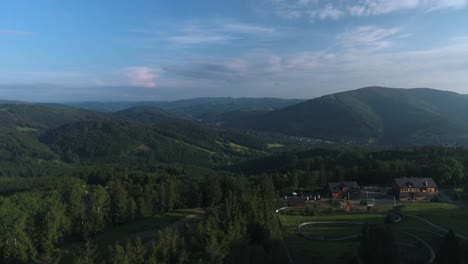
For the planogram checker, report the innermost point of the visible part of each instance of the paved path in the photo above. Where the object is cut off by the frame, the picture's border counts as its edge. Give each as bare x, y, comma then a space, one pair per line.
299, 229
429, 248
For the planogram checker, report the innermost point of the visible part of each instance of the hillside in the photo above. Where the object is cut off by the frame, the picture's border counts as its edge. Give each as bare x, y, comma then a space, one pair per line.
384, 115
147, 115
41, 116
45, 138
199, 108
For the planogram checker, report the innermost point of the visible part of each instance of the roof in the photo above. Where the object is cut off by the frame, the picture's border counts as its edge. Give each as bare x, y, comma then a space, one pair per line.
338, 186
415, 182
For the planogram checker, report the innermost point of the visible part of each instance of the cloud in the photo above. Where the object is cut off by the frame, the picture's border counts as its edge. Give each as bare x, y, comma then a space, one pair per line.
378, 7
243, 28
329, 11
200, 38
369, 37
260, 72
15, 32
336, 9
204, 32
142, 76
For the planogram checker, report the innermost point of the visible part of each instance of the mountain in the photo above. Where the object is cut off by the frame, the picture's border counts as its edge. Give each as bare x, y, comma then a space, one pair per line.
103, 141
198, 108
147, 115
40, 116
383, 115
43, 138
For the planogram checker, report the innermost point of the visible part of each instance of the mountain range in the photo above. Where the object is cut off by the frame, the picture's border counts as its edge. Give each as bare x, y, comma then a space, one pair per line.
370, 115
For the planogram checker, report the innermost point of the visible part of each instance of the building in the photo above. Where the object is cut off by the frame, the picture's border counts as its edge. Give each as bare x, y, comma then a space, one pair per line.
344, 189
415, 188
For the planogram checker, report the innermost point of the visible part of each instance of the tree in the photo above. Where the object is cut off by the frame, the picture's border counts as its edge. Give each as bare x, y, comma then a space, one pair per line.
73, 196
448, 170
138, 256
378, 245
51, 222
87, 253
212, 191
15, 243
117, 255
119, 202
97, 210
169, 248
449, 251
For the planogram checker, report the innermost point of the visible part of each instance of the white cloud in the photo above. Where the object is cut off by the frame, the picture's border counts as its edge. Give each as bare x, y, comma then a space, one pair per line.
335, 9
200, 38
314, 73
213, 32
329, 11
243, 28
305, 74
369, 37
377, 7
142, 76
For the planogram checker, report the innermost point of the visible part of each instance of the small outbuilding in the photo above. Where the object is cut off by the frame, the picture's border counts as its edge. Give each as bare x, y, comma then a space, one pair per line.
344, 189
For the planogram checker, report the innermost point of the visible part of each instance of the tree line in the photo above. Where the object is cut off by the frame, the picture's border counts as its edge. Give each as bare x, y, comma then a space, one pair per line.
34, 223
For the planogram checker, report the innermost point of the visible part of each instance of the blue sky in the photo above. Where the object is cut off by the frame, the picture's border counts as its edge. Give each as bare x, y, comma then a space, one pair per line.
67, 50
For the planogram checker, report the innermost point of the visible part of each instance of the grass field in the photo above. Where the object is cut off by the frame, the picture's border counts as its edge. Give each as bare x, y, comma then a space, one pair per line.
25, 129
274, 145
237, 147
443, 214
303, 250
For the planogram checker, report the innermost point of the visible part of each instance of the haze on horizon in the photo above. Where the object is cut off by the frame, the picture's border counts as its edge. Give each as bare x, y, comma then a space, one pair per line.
165, 50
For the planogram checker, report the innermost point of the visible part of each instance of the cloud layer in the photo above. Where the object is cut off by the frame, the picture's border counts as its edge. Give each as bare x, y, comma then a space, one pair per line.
336, 9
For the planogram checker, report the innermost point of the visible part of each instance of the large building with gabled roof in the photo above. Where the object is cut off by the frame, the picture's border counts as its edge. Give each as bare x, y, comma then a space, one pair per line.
415, 188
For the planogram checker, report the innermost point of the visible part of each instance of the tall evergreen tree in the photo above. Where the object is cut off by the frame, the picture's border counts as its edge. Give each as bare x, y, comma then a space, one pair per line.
449, 251
87, 254
378, 245
117, 255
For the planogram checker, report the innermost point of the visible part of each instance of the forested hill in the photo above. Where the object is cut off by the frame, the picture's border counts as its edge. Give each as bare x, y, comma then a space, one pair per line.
148, 115
47, 139
383, 115
199, 108
41, 117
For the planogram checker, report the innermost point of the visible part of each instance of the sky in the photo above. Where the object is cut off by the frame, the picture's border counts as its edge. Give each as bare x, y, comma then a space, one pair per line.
115, 50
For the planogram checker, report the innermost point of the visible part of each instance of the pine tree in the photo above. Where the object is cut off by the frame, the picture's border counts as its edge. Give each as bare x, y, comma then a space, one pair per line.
117, 255
138, 254
87, 253
378, 245
449, 251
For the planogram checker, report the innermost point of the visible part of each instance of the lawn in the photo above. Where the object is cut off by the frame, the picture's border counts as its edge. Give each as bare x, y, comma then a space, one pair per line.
446, 215
274, 145
237, 147
25, 129
303, 250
